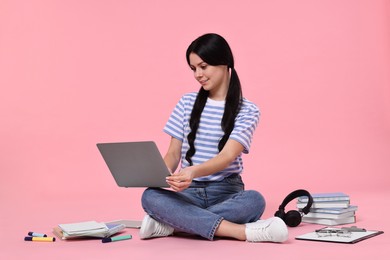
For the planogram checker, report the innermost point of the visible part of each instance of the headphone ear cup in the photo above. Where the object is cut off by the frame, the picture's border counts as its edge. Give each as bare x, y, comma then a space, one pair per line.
279, 214
293, 218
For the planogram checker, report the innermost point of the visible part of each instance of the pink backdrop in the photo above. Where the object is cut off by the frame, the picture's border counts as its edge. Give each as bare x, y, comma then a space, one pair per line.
75, 73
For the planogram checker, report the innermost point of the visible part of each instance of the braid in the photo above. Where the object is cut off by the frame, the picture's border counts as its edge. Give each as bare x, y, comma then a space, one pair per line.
197, 110
232, 107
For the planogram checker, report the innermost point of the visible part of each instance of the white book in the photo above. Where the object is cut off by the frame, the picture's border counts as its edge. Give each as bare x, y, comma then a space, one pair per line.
80, 228
331, 196
332, 204
334, 210
329, 222
330, 215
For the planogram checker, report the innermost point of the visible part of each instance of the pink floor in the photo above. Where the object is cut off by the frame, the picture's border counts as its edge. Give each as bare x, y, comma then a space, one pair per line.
41, 214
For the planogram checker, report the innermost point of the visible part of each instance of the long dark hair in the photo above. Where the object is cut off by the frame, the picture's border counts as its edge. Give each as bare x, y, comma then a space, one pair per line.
214, 50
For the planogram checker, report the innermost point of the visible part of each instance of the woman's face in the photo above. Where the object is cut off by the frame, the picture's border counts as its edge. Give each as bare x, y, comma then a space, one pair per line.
214, 79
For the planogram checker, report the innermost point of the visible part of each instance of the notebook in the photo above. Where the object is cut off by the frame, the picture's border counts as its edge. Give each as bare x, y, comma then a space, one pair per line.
87, 229
135, 164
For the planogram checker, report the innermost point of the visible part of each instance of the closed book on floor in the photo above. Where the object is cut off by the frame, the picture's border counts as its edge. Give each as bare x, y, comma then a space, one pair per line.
330, 215
334, 210
325, 204
329, 222
333, 196
83, 227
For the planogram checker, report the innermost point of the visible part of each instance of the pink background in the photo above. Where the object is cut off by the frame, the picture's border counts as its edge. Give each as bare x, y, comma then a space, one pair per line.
75, 73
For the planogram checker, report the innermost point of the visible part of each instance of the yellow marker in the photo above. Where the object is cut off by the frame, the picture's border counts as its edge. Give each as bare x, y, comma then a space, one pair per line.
40, 239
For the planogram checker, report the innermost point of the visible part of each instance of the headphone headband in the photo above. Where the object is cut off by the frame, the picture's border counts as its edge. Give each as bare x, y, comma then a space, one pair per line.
295, 194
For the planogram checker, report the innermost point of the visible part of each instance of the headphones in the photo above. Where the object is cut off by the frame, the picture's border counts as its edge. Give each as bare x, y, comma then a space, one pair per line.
293, 217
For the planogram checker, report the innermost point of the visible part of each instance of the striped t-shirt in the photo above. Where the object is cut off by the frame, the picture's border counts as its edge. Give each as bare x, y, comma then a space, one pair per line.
210, 132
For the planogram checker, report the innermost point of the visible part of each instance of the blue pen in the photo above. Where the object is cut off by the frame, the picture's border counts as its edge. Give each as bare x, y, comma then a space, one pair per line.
117, 238
34, 234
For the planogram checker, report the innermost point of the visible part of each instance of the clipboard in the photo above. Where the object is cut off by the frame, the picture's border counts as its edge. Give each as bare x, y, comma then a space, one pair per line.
352, 239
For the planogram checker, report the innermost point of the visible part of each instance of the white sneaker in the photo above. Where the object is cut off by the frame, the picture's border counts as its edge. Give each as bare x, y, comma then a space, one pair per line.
270, 230
152, 228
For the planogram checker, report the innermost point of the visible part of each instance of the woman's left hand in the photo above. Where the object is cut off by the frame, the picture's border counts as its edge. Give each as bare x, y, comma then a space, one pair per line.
181, 180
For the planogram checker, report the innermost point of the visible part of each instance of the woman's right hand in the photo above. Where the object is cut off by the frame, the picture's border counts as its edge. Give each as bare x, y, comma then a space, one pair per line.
181, 180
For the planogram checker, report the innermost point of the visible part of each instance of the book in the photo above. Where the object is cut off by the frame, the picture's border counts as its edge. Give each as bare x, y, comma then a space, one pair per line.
319, 197
81, 228
87, 229
325, 204
57, 231
127, 223
352, 239
334, 210
328, 221
330, 215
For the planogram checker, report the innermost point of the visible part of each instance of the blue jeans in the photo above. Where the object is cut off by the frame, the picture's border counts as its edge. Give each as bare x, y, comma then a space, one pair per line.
201, 208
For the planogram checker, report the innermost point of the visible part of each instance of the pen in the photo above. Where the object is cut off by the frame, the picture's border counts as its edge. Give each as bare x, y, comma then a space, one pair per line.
33, 234
117, 238
40, 239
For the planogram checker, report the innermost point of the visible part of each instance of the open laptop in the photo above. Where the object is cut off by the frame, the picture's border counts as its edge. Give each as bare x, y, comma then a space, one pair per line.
135, 164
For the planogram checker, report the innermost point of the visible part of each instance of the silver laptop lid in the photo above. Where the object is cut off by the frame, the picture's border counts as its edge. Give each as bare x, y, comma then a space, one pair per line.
135, 164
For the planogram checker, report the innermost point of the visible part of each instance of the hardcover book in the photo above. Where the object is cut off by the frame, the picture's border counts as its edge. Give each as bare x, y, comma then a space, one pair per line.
325, 204
332, 196
334, 210
329, 222
330, 215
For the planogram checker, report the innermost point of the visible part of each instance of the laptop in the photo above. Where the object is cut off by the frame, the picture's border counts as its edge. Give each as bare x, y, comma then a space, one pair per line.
135, 164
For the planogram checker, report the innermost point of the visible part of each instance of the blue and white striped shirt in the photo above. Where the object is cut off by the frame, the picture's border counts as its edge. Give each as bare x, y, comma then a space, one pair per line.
210, 132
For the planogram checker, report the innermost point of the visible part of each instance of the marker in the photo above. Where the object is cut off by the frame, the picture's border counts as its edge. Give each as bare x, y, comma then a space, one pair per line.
33, 234
40, 239
117, 238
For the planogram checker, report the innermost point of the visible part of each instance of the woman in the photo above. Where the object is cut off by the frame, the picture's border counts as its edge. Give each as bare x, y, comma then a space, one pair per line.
209, 132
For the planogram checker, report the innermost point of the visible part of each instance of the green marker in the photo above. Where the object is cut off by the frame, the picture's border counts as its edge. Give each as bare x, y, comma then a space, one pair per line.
117, 238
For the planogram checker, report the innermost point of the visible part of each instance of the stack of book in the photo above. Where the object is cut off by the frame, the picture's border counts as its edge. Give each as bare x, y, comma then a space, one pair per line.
329, 209
87, 229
